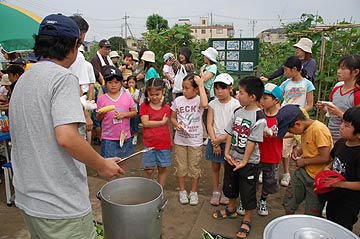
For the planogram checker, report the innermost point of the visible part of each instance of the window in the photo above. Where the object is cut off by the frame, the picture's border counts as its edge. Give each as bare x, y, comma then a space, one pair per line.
203, 22
219, 31
195, 31
203, 31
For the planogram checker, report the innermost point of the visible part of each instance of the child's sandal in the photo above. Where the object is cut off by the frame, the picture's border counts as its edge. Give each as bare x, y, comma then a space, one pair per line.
218, 215
244, 230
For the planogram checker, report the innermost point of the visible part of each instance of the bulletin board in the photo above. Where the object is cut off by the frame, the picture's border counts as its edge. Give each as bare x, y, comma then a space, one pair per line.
238, 55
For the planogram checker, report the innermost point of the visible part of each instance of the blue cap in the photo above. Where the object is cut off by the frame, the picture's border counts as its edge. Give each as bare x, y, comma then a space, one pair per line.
166, 57
286, 115
273, 90
58, 25
31, 57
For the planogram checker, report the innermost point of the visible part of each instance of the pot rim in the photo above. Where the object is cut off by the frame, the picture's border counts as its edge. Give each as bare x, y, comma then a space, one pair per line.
161, 195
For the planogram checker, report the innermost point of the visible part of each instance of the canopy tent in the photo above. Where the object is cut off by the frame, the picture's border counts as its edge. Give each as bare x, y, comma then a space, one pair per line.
17, 28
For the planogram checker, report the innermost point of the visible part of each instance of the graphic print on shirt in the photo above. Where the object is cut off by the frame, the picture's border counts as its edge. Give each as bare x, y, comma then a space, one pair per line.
240, 134
339, 166
189, 120
294, 94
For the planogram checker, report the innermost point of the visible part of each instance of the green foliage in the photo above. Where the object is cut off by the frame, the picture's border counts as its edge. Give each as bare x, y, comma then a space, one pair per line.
338, 41
172, 40
89, 55
118, 44
157, 23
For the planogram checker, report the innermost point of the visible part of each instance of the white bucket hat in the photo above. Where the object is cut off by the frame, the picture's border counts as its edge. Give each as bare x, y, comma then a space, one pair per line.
113, 54
304, 44
135, 55
211, 54
148, 56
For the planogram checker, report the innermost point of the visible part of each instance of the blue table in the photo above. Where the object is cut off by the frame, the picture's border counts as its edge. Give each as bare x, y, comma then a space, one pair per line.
5, 137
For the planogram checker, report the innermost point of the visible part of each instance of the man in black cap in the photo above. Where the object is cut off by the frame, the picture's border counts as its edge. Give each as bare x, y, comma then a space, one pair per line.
102, 59
48, 153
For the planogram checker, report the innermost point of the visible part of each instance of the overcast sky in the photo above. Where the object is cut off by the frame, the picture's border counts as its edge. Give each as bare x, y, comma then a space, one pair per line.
106, 17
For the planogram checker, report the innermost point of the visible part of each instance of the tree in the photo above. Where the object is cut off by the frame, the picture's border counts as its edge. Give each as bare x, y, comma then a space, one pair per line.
172, 40
156, 22
118, 44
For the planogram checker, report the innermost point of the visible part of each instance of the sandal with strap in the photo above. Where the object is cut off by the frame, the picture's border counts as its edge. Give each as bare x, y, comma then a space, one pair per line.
244, 230
215, 199
227, 214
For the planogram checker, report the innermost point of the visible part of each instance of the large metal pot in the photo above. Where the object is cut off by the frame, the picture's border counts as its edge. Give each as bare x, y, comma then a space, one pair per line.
305, 227
132, 208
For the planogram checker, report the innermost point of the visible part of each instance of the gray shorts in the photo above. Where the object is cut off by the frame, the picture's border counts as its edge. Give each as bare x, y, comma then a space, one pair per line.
301, 189
270, 183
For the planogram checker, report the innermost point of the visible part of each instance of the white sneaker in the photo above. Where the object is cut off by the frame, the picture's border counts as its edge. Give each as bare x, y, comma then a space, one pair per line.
285, 180
262, 208
206, 141
183, 197
240, 210
134, 140
194, 199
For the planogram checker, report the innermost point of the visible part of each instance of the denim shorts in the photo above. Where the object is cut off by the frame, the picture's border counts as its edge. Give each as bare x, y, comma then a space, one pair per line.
209, 153
160, 158
111, 148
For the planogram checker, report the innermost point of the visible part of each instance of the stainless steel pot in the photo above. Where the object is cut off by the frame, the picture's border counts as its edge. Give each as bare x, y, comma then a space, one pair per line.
132, 208
305, 227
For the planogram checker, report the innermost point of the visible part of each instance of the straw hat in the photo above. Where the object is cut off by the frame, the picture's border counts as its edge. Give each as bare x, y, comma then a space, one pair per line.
304, 44
211, 54
113, 54
148, 56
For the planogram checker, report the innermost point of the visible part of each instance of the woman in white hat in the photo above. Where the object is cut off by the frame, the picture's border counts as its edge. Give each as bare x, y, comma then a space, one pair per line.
149, 66
208, 71
114, 56
303, 49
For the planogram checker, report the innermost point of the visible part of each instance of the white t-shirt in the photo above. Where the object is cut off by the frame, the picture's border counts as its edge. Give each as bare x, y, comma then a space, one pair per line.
189, 115
294, 92
85, 74
222, 114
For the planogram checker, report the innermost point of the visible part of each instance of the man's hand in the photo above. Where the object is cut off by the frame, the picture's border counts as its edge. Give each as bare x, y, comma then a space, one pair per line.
111, 169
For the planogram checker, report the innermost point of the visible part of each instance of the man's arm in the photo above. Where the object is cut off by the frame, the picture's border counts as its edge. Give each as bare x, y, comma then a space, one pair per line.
70, 140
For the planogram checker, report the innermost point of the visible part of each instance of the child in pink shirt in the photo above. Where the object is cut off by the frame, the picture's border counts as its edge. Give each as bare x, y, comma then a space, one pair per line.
115, 133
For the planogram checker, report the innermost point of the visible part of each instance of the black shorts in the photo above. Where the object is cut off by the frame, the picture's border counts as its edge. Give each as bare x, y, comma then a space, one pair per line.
241, 181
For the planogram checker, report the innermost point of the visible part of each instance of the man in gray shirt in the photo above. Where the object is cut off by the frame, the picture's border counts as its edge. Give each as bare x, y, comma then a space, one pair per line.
48, 153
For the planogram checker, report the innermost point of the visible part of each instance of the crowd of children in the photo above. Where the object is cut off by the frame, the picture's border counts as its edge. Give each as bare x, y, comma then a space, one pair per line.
248, 136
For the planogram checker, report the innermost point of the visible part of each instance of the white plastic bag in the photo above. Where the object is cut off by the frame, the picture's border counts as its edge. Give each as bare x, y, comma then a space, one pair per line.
180, 75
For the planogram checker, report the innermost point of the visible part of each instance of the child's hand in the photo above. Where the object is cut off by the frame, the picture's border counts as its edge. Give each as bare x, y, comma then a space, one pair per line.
217, 150
239, 165
198, 81
119, 115
333, 110
320, 105
297, 152
228, 158
180, 128
263, 78
165, 119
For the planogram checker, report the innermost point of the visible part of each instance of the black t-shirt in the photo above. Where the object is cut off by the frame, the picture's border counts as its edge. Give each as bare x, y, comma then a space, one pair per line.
346, 160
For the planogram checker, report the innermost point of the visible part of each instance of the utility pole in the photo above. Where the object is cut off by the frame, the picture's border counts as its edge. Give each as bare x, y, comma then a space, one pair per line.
125, 19
253, 22
211, 24
240, 30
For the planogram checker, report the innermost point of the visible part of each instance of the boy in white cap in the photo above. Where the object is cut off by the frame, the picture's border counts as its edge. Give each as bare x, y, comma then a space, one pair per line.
219, 115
